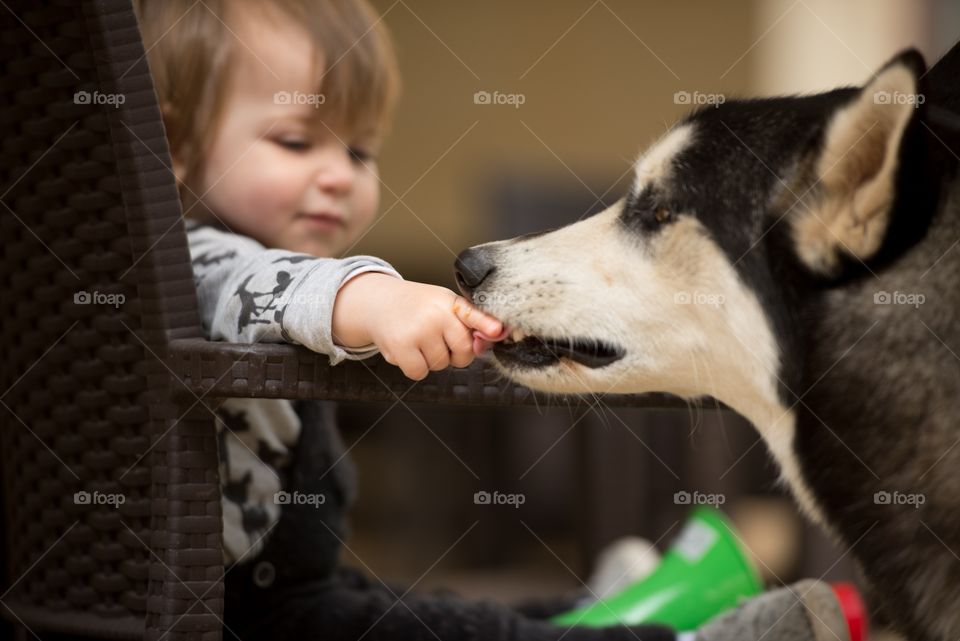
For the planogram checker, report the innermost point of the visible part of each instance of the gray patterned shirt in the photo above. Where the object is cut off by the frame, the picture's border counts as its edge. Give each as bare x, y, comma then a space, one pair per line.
249, 294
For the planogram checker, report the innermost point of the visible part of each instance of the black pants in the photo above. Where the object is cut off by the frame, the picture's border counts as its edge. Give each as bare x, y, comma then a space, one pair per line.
348, 606
295, 590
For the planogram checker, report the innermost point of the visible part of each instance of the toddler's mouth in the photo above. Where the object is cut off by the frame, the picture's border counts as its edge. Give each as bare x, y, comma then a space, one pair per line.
323, 220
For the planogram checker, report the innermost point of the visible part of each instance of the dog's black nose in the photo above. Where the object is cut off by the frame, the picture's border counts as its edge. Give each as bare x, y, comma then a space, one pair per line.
472, 266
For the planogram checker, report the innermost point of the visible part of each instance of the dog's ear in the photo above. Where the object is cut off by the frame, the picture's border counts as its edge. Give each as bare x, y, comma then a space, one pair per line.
856, 166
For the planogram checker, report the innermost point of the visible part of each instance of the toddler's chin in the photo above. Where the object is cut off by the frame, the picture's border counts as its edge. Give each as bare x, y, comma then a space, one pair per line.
318, 246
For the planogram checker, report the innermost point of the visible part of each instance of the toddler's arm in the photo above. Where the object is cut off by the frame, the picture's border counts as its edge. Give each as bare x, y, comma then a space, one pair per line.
347, 308
251, 294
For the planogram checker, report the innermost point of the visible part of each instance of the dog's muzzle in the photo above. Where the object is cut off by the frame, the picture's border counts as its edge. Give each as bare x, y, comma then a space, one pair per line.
473, 266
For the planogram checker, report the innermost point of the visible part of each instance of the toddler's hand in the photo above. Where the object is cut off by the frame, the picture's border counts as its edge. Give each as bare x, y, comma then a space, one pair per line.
482, 341
417, 327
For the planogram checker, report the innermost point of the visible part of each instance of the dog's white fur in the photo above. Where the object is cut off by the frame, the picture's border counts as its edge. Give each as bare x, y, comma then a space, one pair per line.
688, 324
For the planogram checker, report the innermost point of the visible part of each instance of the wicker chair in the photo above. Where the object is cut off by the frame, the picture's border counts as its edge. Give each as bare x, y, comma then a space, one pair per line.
106, 374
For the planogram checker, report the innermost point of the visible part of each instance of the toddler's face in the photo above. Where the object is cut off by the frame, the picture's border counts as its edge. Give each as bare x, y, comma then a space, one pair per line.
270, 174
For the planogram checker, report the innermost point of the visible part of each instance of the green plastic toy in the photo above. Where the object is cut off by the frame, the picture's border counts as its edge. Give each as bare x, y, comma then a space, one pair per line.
704, 573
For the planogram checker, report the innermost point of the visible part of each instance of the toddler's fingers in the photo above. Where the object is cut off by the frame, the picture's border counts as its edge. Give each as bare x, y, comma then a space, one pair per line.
473, 318
480, 345
462, 359
482, 342
460, 342
413, 365
436, 354
492, 339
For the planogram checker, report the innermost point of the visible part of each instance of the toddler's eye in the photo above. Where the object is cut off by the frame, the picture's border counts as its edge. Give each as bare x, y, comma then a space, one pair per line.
294, 144
359, 155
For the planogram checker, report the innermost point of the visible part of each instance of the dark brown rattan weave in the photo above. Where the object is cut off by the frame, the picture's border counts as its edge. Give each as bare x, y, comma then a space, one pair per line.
110, 399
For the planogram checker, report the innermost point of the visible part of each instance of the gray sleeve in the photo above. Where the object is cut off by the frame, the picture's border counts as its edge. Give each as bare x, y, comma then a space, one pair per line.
250, 294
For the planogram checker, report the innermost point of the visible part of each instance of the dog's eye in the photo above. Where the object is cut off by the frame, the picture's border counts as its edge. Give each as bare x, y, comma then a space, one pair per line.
656, 217
648, 212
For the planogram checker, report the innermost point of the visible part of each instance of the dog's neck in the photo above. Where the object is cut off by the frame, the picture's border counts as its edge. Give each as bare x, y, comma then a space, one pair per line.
754, 396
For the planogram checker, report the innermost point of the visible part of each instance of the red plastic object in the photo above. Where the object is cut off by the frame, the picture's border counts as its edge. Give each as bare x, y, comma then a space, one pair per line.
853, 608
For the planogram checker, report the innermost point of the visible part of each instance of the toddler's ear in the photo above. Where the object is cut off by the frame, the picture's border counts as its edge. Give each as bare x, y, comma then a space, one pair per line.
168, 123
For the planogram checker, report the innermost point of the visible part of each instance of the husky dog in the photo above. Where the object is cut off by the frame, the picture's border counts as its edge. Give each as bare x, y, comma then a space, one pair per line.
796, 258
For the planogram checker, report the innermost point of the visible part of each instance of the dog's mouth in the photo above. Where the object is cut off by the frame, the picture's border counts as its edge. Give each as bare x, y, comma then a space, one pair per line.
537, 352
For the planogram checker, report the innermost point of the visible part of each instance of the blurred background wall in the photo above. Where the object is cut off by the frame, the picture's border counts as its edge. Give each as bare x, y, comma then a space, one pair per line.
598, 82
598, 79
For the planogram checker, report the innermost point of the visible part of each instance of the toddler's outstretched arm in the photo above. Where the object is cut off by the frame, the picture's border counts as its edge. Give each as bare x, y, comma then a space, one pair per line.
347, 308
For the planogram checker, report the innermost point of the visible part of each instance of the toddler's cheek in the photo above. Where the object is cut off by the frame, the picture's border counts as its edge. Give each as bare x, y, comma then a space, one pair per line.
364, 201
244, 195
271, 189
269, 204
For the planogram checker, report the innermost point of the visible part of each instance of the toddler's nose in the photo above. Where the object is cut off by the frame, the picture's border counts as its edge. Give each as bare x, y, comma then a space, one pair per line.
337, 172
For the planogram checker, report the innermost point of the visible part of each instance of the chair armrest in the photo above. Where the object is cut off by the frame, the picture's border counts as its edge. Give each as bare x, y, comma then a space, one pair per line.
276, 370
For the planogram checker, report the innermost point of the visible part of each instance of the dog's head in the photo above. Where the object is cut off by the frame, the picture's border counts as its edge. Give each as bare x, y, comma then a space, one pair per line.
688, 284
